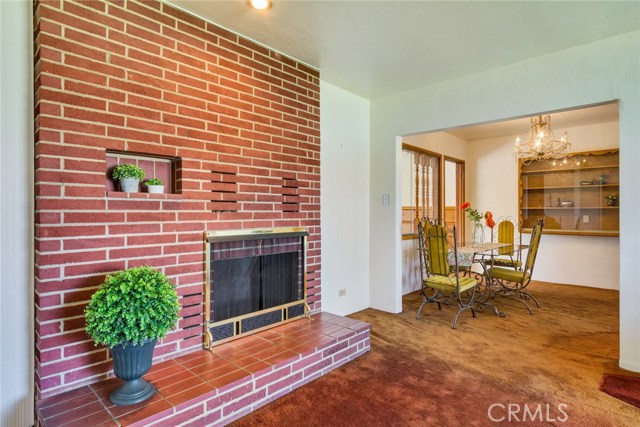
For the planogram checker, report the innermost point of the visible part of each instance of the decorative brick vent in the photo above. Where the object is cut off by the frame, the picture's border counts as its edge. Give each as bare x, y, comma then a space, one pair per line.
144, 78
290, 195
224, 189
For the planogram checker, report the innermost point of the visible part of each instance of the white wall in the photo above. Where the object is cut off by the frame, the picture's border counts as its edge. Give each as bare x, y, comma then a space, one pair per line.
344, 201
580, 260
16, 213
598, 72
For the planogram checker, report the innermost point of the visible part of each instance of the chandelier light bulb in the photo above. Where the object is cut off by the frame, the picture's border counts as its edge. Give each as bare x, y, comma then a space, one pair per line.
261, 4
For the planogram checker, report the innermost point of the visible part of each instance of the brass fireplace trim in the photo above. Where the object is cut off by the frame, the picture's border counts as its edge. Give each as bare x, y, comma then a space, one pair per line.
250, 234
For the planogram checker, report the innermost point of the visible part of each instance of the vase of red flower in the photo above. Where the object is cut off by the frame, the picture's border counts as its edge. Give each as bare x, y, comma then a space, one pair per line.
478, 234
476, 219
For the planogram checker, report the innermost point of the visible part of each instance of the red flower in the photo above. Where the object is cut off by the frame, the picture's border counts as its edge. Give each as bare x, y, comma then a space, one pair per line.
465, 205
490, 222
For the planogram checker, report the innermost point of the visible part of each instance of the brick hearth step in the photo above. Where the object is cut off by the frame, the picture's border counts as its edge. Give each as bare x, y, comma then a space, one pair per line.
216, 387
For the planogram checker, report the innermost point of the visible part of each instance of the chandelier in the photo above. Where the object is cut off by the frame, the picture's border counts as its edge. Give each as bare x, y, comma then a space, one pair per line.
542, 144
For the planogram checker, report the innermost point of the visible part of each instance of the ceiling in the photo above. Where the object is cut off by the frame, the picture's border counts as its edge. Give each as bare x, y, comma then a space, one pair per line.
376, 48
604, 113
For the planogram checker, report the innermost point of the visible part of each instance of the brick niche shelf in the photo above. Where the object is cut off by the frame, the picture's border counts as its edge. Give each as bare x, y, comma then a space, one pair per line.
123, 195
160, 167
214, 388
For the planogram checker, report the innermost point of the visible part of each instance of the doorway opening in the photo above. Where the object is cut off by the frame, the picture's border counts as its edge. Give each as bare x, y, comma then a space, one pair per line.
491, 183
454, 193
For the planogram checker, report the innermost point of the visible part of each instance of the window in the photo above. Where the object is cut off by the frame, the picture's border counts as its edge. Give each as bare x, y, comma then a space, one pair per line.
420, 187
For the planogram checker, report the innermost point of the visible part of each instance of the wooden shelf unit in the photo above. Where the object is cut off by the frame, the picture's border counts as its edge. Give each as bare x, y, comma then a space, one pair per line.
583, 179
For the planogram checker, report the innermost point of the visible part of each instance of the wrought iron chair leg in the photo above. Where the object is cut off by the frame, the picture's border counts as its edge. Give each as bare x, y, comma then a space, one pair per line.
533, 298
492, 291
522, 300
424, 302
454, 324
482, 303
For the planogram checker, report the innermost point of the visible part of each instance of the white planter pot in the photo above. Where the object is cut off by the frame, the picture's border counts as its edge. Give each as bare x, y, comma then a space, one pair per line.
155, 189
129, 185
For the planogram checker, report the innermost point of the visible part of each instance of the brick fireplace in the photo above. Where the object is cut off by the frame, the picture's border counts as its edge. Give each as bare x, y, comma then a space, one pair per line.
234, 125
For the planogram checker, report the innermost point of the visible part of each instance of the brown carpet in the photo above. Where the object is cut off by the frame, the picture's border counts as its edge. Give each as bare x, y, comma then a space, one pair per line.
622, 387
423, 373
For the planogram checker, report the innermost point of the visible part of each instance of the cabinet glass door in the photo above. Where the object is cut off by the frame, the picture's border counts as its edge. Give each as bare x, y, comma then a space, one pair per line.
575, 195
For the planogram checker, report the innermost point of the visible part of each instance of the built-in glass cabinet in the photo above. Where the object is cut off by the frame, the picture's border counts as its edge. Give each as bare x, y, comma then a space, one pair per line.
577, 195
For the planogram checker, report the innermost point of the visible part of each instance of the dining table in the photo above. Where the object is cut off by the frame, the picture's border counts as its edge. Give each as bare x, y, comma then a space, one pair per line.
484, 254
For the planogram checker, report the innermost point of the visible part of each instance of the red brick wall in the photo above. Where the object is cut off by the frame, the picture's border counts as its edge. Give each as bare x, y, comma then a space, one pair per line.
145, 78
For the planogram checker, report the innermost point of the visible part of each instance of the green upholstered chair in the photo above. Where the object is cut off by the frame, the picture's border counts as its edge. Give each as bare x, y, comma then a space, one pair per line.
507, 232
442, 281
513, 283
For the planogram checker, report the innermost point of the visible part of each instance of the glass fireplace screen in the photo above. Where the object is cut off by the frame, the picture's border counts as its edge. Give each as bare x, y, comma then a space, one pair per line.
256, 279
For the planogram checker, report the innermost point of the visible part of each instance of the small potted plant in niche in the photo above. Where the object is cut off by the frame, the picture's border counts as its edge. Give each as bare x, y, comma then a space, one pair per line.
130, 311
155, 185
612, 199
129, 177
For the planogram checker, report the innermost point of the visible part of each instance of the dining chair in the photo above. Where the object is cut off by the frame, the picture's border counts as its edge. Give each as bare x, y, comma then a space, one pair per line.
507, 231
514, 283
442, 281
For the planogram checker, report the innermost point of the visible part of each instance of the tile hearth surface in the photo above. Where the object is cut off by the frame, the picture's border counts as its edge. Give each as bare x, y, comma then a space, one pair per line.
202, 375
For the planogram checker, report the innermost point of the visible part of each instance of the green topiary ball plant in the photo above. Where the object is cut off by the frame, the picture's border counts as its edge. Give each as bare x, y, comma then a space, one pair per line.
155, 181
128, 171
131, 307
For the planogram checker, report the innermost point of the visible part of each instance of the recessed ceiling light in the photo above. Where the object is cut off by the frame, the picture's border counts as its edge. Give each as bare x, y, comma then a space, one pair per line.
261, 4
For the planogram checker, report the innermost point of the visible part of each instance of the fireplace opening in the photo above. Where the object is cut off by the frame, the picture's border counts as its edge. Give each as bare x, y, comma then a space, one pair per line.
246, 285
256, 279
